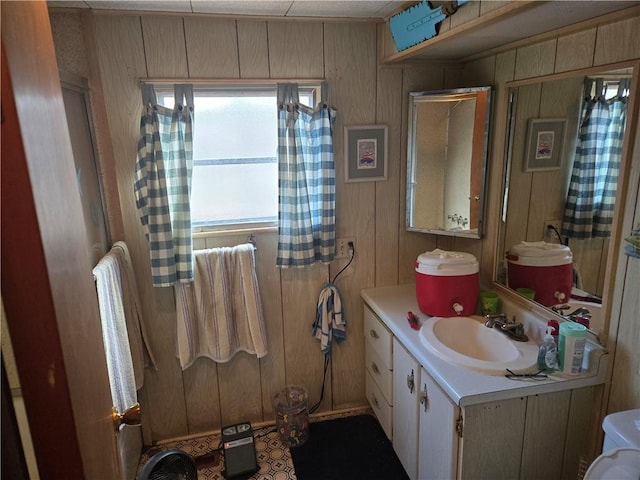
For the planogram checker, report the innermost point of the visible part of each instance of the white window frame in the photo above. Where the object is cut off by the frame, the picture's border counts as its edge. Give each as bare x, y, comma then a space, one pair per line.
213, 87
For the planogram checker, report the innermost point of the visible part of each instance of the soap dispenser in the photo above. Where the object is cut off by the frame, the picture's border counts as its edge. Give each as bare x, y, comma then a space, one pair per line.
548, 352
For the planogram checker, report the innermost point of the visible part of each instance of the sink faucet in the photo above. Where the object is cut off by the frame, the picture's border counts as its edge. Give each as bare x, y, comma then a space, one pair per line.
573, 316
514, 330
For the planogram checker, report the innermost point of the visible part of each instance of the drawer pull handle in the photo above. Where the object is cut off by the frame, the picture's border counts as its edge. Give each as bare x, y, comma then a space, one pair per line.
424, 398
374, 400
410, 382
374, 334
375, 368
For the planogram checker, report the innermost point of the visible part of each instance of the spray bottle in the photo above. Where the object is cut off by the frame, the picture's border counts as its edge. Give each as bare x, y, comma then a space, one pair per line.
548, 352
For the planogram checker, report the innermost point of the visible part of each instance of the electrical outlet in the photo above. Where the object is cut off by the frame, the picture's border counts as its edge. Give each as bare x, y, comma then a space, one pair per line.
548, 233
342, 247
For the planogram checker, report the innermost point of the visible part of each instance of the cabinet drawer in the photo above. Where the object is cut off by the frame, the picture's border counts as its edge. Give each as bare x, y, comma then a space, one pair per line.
380, 372
383, 411
379, 336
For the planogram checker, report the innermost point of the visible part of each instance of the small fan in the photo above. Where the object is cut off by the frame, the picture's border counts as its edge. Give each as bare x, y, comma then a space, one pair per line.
171, 464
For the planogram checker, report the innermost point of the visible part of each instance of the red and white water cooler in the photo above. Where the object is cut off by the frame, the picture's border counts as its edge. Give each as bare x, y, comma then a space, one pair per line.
546, 268
447, 283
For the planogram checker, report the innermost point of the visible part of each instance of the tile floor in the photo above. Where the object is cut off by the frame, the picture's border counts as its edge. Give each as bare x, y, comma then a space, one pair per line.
274, 458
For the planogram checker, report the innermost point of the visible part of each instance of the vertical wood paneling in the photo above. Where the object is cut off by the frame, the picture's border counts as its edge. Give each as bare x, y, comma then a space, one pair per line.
122, 62
164, 46
617, 42
303, 360
272, 367
482, 459
212, 47
545, 431
536, 60
253, 49
240, 395
559, 99
625, 388
579, 430
466, 13
350, 72
364, 94
201, 396
528, 106
575, 51
389, 217
295, 50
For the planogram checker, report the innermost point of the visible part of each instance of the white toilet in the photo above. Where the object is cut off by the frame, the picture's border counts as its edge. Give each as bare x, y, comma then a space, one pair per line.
620, 459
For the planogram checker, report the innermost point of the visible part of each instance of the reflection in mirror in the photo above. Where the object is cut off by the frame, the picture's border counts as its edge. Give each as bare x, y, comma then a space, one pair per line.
446, 161
545, 207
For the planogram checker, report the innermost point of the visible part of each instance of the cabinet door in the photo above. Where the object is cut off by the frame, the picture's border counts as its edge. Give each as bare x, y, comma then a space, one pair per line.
437, 439
406, 380
492, 440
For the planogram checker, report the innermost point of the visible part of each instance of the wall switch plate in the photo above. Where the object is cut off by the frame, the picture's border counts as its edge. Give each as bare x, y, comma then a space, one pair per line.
342, 247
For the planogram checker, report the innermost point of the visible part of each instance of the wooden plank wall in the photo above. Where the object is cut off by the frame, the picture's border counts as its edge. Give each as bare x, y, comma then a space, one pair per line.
208, 395
604, 45
129, 47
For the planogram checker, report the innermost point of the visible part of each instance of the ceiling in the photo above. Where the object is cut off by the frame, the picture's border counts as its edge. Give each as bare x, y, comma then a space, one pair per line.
362, 9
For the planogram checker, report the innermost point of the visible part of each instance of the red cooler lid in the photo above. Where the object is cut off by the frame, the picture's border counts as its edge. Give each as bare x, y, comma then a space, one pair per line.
540, 254
442, 263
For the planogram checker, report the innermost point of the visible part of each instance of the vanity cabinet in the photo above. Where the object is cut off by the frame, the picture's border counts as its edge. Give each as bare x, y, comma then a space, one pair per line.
424, 420
437, 434
379, 363
532, 434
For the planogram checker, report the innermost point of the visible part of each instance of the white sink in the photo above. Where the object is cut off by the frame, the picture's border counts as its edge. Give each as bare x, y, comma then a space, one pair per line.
466, 342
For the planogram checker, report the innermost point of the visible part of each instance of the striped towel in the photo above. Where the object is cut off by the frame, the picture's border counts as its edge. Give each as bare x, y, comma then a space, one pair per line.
330, 321
220, 312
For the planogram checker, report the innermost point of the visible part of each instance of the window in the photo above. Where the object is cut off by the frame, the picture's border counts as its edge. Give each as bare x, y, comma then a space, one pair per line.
235, 163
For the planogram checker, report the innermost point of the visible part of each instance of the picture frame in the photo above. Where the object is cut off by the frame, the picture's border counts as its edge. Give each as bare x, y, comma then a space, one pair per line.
365, 153
545, 144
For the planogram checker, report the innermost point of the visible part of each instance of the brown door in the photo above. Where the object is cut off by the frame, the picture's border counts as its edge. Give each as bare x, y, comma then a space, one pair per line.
47, 285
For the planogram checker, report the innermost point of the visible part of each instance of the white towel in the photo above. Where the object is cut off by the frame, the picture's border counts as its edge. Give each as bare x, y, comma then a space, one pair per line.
220, 312
330, 322
141, 352
114, 333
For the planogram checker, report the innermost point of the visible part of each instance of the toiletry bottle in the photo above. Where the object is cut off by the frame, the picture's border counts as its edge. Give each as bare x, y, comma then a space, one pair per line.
556, 330
548, 353
573, 337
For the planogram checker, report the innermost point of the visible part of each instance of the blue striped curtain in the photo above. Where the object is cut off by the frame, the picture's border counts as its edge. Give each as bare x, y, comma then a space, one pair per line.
592, 190
163, 184
306, 181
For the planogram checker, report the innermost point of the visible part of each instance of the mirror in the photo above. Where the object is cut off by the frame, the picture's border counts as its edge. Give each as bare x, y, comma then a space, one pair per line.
535, 196
446, 161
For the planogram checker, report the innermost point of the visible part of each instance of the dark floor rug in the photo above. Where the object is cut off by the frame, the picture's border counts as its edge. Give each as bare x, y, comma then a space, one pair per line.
348, 448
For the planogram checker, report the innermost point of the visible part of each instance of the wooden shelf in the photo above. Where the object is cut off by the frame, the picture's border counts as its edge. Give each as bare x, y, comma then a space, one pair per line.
492, 26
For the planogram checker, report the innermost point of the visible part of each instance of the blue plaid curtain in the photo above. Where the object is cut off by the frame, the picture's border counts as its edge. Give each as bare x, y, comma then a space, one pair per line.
592, 190
163, 184
306, 181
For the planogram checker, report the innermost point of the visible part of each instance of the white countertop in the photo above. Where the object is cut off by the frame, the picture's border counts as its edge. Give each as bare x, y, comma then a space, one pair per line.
465, 386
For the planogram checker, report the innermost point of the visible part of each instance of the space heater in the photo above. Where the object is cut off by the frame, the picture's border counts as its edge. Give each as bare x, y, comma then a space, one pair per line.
239, 451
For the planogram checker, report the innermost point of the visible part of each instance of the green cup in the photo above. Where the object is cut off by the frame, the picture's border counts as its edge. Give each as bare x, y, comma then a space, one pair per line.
489, 303
527, 292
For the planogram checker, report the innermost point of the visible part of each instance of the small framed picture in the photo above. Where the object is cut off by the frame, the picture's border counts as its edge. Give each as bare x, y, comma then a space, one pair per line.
545, 142
365, 153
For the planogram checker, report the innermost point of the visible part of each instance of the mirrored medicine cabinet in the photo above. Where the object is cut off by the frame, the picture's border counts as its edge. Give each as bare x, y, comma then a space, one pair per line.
533, 198
446, 161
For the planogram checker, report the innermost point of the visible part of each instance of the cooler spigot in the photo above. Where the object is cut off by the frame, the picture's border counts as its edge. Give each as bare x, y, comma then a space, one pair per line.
458, 308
